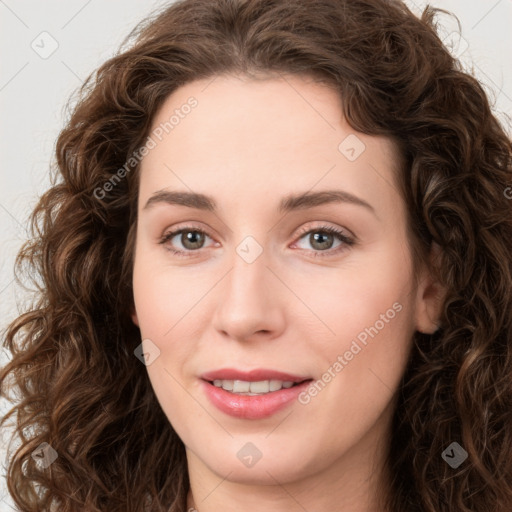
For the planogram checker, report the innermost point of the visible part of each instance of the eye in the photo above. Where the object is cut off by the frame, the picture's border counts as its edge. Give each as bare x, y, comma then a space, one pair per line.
322, 239
190, 238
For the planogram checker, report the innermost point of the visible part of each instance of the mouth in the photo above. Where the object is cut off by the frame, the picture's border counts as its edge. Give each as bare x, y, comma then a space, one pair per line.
254, 388
252, 395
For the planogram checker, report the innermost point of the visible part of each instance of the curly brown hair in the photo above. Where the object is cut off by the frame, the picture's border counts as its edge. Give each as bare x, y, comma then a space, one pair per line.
79, 386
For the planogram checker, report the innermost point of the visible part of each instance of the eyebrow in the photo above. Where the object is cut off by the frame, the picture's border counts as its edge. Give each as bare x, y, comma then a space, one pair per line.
289, 203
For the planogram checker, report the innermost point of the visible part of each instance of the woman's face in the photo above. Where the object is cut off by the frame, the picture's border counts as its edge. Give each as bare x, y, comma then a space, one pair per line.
255, 174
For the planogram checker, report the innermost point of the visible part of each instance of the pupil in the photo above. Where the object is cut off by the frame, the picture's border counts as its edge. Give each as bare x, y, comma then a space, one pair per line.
192, 239
316, 236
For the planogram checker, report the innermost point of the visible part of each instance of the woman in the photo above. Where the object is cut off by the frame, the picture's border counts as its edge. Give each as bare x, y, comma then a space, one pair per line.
276, 268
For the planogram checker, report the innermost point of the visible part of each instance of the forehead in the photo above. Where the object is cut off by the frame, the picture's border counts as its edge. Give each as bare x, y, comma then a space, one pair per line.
244, 135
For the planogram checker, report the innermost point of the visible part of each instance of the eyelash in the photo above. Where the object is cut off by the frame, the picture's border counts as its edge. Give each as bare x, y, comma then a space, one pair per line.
347, 241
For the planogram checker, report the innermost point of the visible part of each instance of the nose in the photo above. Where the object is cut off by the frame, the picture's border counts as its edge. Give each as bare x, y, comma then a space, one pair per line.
251, 301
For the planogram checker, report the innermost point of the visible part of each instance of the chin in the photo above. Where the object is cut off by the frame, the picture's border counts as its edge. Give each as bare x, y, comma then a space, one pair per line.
269, 469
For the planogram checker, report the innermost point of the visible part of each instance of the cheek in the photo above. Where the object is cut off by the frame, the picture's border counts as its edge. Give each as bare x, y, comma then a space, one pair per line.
361, 364
353, 297
162, 294
168, 305
164, 304
366, 314
164, 320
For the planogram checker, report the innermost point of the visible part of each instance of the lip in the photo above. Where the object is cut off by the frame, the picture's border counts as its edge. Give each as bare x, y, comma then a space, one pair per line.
251, 376
252, 407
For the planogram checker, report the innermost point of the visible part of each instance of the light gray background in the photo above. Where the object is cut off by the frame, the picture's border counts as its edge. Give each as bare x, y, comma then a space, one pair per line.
35, 87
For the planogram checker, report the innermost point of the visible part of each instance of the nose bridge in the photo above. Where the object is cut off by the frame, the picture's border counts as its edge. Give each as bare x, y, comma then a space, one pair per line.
248, 279
249, 301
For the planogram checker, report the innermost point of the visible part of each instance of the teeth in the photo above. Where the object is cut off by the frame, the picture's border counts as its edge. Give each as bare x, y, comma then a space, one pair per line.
252, 388
226, 384
263, 386
275, 385
240, 386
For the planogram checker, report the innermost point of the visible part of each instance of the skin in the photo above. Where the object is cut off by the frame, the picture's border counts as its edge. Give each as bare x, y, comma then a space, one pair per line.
249, 143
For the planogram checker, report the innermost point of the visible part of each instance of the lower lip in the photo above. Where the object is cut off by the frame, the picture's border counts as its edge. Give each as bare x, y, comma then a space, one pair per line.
252, 407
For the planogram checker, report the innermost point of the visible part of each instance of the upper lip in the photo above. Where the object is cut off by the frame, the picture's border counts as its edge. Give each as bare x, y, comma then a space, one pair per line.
256, 375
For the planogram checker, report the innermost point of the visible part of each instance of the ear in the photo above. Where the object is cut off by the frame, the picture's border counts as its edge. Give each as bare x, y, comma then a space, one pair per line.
430, 296
135, 318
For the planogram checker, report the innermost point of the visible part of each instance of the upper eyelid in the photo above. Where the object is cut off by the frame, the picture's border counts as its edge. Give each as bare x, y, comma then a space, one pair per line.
301, 231
326, 225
